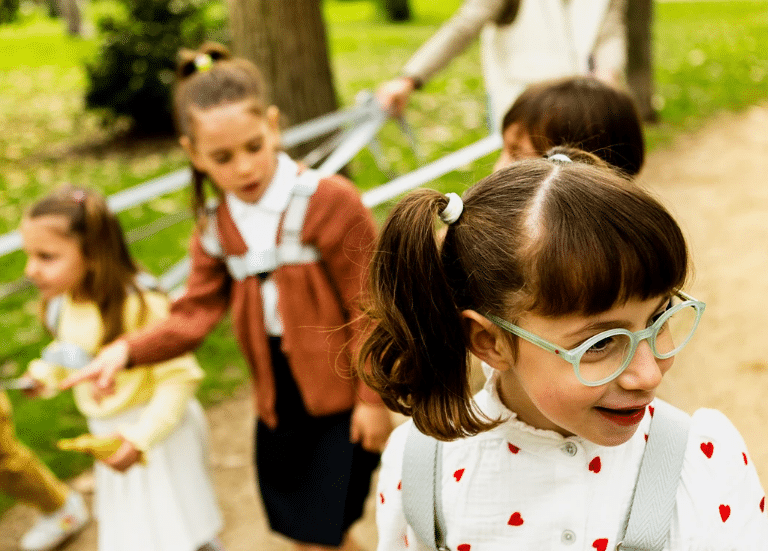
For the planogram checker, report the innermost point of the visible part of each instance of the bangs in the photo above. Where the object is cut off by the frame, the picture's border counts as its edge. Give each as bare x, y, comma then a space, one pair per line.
600, 245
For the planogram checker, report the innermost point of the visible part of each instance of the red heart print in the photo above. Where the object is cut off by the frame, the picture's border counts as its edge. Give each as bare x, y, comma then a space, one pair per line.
400, 485
381, 497
725, 512
516, 519
405, 539
744, 455
601, 544
708, 448
595, 465
762, 505
458, 474
651, 410
464, 547
513, 448
646, 437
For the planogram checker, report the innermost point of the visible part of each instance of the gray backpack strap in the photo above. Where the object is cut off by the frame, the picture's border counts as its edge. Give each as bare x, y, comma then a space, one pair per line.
66, 354
653, 504
145, 280
209, 238
422, 488
290, 249
53, 314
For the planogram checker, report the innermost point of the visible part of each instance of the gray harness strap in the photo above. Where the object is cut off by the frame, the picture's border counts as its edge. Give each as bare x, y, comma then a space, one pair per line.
656, 488
422, 488
652, 506
289, 250
68, 354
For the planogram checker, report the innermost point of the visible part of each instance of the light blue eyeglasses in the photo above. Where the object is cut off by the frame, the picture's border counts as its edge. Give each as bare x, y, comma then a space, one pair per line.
602, 358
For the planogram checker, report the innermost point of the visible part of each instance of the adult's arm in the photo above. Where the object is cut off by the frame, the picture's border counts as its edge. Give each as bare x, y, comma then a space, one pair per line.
610, 51
452, 38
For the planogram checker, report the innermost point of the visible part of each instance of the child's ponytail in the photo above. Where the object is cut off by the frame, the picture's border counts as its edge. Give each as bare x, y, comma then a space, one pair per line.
417, 354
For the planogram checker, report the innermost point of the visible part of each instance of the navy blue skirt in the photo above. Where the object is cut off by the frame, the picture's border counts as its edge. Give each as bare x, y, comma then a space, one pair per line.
312, 480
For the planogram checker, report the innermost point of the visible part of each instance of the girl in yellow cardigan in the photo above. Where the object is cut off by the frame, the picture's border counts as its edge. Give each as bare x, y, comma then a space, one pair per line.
152, 487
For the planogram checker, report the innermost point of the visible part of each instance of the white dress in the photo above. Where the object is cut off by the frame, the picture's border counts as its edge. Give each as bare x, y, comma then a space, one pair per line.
517, 487
166, 505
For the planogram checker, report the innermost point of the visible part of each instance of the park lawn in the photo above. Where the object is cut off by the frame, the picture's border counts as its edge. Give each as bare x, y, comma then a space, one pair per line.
708, 59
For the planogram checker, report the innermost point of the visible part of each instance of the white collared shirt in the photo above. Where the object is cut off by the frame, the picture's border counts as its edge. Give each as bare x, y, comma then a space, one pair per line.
518, 487
258, 224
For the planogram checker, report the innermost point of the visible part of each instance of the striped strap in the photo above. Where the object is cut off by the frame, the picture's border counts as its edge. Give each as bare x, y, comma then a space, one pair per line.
422, 488
653, 504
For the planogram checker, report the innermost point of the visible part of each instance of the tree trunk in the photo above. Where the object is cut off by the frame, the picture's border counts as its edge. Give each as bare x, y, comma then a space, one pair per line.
287, 41
398, 10
640, 55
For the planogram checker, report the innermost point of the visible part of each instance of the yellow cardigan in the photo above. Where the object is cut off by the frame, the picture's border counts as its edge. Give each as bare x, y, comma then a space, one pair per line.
163, 389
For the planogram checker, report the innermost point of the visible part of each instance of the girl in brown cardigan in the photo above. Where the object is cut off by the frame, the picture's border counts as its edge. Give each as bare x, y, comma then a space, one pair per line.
286, 251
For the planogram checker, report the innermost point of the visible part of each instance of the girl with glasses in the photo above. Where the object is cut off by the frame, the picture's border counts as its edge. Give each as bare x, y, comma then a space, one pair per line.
566, 280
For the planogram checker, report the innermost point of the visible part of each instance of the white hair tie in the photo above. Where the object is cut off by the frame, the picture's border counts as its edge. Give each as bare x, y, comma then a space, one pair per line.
453, 209
560, 157
203, 62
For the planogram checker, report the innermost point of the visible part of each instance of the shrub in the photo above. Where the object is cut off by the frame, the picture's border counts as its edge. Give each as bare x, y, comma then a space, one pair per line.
134, 70
9, 10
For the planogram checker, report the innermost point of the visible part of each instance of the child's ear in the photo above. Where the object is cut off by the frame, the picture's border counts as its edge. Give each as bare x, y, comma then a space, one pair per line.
189, 149
487, 341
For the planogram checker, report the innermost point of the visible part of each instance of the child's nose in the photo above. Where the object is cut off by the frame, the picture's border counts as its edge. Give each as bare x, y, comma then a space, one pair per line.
644, 371
244, 164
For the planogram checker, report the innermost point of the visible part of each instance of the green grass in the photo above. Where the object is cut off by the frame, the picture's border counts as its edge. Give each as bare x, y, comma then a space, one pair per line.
709, 58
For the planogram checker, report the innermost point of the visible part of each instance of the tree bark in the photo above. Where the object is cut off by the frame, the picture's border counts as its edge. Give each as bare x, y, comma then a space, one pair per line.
398, 10
287, 41
640, 55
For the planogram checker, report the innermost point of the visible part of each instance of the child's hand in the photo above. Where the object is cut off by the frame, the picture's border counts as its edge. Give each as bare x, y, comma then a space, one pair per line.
370, 425
102, 369
125, 456
32, 387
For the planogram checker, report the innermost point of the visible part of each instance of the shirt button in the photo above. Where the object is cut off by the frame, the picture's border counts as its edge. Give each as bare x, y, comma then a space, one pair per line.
568, 537
570, 449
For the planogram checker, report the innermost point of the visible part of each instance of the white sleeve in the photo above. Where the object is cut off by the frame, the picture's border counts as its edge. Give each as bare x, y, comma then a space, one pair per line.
394, 532
720, 502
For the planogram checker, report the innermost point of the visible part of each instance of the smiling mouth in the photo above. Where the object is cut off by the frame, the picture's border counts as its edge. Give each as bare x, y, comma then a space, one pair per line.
250, 187
624, 416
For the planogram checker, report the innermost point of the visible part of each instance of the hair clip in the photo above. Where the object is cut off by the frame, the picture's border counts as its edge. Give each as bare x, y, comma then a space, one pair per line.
78, 196
560, 157
453, 209
203, 62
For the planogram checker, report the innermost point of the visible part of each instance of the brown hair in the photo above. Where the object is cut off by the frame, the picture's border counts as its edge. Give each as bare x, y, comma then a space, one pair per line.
111, 272
585, 113
544, 236
205, 78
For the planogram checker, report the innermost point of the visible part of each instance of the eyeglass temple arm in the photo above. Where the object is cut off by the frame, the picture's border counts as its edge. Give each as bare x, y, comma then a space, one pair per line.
530, 337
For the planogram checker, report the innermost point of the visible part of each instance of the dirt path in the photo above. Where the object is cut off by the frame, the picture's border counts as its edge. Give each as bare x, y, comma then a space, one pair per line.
716, 182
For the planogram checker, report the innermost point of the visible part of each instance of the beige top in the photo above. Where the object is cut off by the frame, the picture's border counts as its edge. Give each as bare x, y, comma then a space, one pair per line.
547, 39
162, 388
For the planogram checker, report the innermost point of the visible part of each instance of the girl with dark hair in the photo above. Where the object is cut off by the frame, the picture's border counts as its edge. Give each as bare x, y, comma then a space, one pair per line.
580, 112
286, 249
566, 280
152, 485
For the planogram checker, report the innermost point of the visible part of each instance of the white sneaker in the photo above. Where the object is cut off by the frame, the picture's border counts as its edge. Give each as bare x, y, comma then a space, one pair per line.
51, 530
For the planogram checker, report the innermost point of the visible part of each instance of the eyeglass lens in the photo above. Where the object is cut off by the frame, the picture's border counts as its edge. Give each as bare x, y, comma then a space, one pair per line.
608, 355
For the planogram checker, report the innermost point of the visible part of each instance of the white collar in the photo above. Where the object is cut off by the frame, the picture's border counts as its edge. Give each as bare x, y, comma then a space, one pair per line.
278, 193
535, 440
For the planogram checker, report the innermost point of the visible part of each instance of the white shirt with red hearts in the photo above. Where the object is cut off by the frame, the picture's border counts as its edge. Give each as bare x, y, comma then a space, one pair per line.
517, 488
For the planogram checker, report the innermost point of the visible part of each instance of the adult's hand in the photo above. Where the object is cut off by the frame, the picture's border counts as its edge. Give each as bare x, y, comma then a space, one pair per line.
393, 95
102, 369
